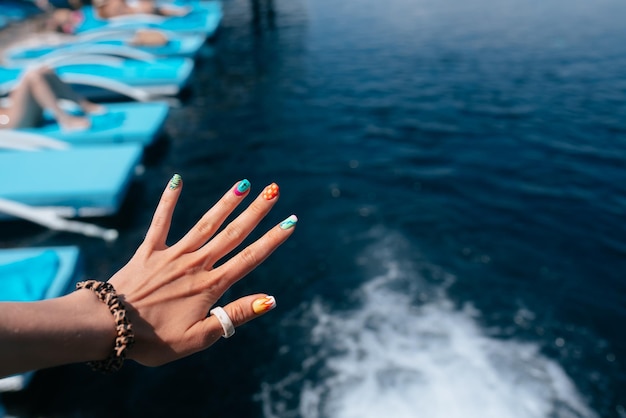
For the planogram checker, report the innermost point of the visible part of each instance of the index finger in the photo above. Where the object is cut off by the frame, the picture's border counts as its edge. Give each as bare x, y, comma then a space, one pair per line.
162, 218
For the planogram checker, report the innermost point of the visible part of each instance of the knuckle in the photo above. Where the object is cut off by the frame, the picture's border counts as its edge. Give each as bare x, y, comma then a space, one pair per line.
206, 226
258, 210
237, 315
160, 221
272, 238
234, 233
167, 199
249, 257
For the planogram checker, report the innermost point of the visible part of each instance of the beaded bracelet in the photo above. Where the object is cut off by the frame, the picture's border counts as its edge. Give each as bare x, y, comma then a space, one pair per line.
125, 335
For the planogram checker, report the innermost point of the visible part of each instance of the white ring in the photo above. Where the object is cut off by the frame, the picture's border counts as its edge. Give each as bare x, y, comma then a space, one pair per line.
227, 324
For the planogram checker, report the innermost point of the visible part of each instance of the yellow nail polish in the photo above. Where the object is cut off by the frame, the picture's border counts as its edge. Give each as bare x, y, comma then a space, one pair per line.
263, 304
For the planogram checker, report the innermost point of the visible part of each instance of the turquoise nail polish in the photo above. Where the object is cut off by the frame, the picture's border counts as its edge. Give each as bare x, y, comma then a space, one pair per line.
242, 187
289, 222
175, 181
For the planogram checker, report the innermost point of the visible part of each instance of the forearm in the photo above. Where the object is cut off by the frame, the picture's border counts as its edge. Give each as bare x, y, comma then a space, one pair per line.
34, 335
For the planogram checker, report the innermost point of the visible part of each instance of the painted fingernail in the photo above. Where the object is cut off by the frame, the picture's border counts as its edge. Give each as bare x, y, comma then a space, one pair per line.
242, 187
289, 222
263, 304
175, 181
270, 191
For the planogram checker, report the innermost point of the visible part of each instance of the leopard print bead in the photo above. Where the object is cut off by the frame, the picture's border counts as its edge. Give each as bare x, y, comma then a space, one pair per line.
125, 335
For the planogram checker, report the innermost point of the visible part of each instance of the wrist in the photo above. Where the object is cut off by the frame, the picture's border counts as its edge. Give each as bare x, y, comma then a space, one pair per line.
95, 327
125, 337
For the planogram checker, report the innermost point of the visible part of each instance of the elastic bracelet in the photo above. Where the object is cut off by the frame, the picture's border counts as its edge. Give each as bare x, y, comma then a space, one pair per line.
125, 335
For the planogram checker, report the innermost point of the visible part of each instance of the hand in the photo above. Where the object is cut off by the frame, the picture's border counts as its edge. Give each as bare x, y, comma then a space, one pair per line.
168, 291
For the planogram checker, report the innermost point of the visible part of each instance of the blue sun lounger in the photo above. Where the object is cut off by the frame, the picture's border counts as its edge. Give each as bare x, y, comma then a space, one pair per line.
178, 45
123, 122
74, 182
31, 274
107, 77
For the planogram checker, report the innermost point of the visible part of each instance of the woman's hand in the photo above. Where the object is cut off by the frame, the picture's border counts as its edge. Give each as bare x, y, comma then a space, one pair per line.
168, 291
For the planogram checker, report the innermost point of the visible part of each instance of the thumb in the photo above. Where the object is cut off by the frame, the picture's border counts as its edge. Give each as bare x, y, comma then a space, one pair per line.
239, 311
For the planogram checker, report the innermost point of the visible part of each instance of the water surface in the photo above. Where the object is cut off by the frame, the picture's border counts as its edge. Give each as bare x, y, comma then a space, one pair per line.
460, 178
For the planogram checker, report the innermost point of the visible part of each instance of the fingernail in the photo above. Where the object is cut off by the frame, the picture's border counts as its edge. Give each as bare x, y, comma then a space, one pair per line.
242, 187
270, 191
289, 222
263, 304
175, 181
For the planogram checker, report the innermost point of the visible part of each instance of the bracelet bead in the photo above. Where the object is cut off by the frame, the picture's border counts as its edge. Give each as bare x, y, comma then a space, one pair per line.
125, 335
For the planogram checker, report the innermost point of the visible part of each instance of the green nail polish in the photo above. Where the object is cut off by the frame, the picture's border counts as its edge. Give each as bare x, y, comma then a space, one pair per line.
175, 181
289, 222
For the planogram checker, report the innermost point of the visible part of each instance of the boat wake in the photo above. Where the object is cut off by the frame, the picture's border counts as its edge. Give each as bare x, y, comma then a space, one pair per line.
407, 351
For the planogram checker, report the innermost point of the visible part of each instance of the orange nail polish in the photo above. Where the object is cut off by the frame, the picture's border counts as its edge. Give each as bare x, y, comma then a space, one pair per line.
270, 191
263, 304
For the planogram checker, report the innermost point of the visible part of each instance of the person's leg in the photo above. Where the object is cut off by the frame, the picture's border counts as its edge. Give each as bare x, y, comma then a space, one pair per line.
64, 91
106, 9
24, 110
34, 94
149, 37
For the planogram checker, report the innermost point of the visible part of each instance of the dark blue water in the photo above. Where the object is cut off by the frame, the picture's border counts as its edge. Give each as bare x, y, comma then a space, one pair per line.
459, 171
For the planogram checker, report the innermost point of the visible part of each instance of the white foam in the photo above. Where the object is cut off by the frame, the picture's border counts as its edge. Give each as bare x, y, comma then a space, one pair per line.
393, 357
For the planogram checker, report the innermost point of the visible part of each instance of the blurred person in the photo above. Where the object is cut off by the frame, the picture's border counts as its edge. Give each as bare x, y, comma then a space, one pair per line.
107, 9
40, 89
59, 4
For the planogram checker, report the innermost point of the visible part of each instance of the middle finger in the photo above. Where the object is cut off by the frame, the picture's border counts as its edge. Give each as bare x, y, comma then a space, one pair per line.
234, 234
